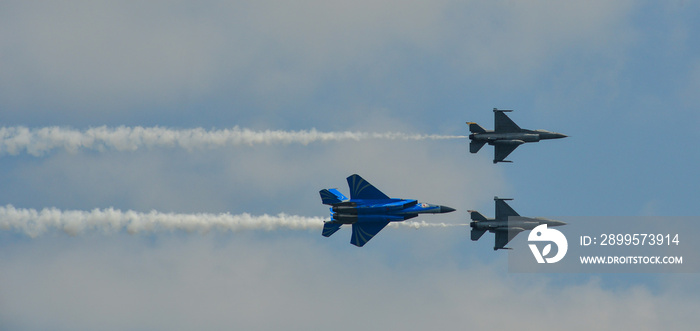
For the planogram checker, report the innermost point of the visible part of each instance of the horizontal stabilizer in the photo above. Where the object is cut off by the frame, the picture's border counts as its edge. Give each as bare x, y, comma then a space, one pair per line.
330, 228
477, 233
475, 145
331, 196
475, 128
476, 216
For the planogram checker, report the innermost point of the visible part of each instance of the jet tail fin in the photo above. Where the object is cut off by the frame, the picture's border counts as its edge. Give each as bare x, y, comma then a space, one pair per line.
477, 233
476, 216
330, 228
475, 128
475, 145
331, 196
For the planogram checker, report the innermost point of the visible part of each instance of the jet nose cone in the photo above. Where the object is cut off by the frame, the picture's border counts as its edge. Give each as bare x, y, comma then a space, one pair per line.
551, 135
445, 209
556, 223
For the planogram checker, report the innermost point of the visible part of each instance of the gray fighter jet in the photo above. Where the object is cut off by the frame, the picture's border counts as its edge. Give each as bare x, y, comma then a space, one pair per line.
506, 225
506, 136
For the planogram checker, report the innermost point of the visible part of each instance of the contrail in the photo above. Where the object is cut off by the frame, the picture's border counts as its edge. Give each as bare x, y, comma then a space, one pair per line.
38, 141
34, 223
424, 224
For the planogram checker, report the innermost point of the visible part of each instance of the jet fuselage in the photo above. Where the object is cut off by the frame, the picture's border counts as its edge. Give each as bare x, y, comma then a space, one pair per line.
514, 222
394, 210
527, 136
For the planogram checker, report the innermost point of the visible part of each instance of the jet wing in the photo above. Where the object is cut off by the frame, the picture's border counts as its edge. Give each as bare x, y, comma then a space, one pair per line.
362, 189
503, 210
503, 123
364, 231
501, 151
503, 237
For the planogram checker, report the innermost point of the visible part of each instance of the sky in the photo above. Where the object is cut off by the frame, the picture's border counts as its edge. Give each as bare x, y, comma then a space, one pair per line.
620, 78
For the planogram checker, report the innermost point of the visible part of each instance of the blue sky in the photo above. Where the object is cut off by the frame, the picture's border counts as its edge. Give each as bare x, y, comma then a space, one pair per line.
620, 78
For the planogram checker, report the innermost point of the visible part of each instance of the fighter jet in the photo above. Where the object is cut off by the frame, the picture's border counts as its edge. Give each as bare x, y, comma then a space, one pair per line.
369, 210
506, 136
506, 225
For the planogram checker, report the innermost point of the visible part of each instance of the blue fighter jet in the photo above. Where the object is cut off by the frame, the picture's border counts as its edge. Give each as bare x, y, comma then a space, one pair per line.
369, 210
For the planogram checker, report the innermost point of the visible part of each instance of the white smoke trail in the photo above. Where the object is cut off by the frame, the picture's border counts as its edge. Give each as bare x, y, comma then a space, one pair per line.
424, 224
15, 140
34, 223
74, 222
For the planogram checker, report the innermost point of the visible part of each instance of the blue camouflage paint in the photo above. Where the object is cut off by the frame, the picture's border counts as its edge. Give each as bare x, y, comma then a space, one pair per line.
369, 210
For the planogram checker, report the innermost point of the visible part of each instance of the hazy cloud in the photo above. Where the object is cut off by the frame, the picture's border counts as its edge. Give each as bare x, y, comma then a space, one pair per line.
367, 66
109, 60
244, 282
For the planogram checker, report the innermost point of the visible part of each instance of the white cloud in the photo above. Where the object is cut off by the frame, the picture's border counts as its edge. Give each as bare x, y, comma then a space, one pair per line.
111, 58
514, 39
86, 56
250, 282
